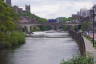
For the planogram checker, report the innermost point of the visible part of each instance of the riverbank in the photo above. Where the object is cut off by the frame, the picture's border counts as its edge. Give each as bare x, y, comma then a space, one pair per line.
91, 40
90, 50
12, 40
11, 35
42, 50
79, 60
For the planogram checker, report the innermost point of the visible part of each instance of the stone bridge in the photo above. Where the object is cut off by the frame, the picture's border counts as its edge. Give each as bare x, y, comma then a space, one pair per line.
54, 25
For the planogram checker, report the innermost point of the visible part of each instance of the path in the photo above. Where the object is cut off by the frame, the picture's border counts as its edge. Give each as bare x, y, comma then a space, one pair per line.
89, 48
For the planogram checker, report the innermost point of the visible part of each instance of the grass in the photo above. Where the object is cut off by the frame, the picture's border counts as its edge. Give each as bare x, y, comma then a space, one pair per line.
91, 39
11, 40
79, 60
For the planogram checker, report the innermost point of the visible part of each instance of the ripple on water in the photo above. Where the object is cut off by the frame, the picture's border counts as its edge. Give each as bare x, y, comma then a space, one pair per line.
43, 51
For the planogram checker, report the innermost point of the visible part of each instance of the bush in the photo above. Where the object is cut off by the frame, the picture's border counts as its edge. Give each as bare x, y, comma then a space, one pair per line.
8, 24
91, 39
33, 29
18, 37
12, 40
80, 60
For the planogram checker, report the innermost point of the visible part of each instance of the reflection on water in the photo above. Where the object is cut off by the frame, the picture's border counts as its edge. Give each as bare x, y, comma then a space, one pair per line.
41, 51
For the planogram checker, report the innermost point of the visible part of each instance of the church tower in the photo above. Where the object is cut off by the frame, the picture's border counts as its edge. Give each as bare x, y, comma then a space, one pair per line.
27, 7
8, 2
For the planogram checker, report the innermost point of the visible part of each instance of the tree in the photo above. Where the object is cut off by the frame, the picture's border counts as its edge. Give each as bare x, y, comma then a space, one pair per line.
9, 35
7, 17
85, 26
30, 15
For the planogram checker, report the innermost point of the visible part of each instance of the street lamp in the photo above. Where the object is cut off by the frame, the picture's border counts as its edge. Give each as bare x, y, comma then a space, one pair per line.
93, 14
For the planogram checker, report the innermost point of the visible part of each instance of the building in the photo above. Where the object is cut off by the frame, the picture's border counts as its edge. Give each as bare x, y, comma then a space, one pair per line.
27, 8
84, 13
8, 2
19, 10
75, 17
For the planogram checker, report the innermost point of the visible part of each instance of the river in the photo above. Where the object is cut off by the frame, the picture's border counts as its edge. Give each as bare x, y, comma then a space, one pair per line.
42, 50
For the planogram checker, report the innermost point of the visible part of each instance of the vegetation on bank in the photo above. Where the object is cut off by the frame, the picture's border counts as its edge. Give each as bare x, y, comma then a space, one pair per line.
86, 26
36, 18
91, 39
11, 40
64, 19
30, 15
79, 60
45, 28
10, 35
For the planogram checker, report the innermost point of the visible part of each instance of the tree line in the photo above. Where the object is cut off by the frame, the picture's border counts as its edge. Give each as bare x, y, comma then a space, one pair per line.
10, 35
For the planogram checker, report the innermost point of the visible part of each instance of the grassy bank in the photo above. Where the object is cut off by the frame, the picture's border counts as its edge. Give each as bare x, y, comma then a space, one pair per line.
11, 40
79, 60
10, 35
90, 38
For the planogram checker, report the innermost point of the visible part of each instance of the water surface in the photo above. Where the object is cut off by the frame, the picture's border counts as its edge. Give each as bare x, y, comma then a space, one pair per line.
42, 50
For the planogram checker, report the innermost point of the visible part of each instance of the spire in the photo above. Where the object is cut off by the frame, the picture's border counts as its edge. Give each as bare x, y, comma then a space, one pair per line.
27, 8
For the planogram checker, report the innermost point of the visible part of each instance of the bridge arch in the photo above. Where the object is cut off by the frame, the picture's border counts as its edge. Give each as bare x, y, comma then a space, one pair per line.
29, 27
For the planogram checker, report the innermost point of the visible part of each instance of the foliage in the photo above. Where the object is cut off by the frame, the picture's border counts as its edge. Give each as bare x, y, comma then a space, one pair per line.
17, 38
30, 15
90, 38
64, 19
65, 28
36, 28
9, 34
7, 16
80, 60
12, 40
44, 28
85, 26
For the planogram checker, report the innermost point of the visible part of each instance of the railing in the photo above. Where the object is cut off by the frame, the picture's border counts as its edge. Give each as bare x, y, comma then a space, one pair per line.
70, 23
80, 41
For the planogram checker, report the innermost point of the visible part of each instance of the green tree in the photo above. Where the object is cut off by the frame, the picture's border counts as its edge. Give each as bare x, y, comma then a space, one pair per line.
85, 26
9, 34
30, 15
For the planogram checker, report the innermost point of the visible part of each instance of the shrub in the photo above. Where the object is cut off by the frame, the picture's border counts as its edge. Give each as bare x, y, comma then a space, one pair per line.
12, 40
91, 39
80, 60
17, 38
8, 24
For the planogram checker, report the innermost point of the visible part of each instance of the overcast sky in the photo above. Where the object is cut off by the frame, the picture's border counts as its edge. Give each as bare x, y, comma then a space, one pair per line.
55, 8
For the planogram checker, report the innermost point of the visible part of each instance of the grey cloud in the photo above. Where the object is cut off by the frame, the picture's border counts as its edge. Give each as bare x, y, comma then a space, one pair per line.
61, 7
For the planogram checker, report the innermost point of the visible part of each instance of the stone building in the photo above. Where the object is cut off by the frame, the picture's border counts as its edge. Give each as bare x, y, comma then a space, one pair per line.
19, 10
27, 8
8, 2
84, 13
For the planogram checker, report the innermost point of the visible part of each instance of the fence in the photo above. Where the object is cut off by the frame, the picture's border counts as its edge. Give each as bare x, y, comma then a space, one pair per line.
80, 41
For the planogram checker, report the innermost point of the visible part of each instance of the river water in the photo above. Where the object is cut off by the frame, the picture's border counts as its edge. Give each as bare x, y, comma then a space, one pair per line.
42, 50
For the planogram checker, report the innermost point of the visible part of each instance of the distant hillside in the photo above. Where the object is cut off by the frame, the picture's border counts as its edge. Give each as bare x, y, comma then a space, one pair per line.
39, 19
10, 35
64, 19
